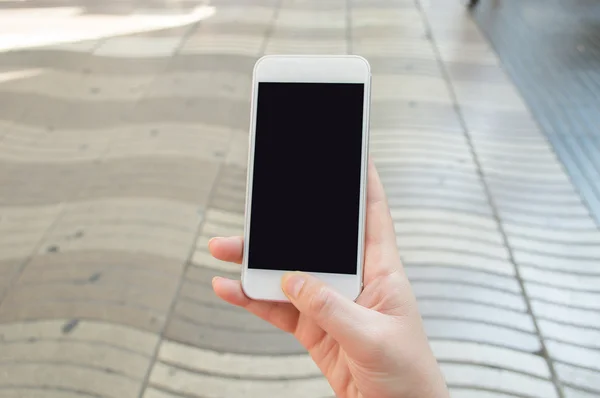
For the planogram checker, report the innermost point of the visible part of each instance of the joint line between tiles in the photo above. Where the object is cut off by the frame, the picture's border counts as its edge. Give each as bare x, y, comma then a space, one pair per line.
446, 76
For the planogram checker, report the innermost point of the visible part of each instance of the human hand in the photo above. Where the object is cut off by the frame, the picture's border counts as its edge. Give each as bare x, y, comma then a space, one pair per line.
375, 347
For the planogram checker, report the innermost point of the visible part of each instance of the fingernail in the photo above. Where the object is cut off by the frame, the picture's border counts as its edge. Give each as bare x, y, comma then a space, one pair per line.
292, 284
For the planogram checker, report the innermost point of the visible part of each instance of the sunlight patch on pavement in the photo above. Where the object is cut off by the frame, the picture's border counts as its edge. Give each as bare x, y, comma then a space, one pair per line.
26, 28
19, 74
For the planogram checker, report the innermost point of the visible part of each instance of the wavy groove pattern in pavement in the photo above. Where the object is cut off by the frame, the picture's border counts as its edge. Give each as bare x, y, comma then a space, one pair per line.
120, 156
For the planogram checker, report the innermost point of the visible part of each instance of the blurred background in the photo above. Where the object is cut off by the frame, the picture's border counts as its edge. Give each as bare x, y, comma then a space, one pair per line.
123, 140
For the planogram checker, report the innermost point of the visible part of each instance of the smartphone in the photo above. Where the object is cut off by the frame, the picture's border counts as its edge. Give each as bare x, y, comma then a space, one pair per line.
307, 173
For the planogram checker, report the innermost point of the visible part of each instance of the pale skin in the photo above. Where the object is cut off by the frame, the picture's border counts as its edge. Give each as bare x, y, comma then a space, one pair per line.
374, 348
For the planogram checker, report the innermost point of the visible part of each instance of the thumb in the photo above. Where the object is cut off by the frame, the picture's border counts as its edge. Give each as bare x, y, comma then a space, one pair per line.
337, 315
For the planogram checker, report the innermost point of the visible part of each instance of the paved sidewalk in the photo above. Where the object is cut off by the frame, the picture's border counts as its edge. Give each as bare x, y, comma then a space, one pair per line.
123, 151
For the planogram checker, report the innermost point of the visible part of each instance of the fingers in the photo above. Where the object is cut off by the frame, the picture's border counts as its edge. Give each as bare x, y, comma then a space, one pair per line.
227, 249
281, 315
337, 315
381, 251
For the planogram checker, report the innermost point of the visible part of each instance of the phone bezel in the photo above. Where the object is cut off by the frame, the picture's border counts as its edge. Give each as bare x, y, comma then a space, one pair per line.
262, 284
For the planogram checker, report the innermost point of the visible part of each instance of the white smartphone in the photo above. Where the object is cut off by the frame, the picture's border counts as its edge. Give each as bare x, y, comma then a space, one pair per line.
307, 173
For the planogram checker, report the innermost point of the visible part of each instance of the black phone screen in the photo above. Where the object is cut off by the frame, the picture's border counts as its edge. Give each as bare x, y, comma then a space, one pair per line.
305, 197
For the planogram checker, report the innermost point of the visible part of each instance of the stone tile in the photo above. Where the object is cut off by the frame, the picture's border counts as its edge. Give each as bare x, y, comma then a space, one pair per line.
376, 16
256, 28
390, 65
473, 54
398, 48
516, 168
100, 311
85, 46
201, 84
152, 392
286, 46
91, 286
557, 249
437, 191
116, 66
575, 355
230, 190
459, 330
473, 353
238, 150
424, 201
83, 331
569, 298
229, 318
456, 309
107, 358
587, 337
237, 365
590, 237
464, 71
548, 220
578, 377
446, 274
336, 5
33, 392
204, 142
86, 380
233, 341
136, 296
99, 266
224, 44
568, 315
121, 238
186, 382
169, 178
316, 36
19, 149
256, 14
214, 228
504, 191
423, 157
473, 221
497, 380
432, 228
425, 138
235, 63
456, 259
488, 95
46, 184
386, 31
469, 293
474, 392
575, 393
410, 87
391, 170
304, 19
398, 179
199, 110
568, 281
8, 271
541, 177
394, 114
139, 47
452, 244
562, 210
22, 228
